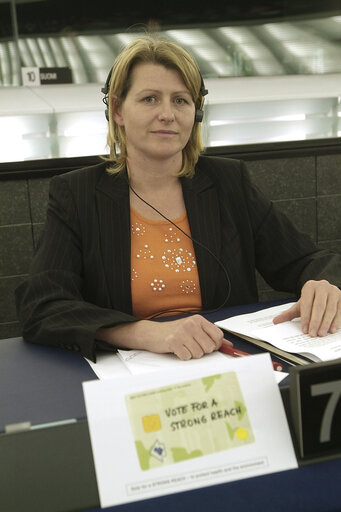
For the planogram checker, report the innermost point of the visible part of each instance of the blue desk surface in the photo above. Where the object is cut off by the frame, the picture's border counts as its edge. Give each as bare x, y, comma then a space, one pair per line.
313, 488
44, 384
41, 384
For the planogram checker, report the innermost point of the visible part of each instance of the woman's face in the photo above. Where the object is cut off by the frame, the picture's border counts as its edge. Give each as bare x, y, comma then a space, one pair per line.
157, 113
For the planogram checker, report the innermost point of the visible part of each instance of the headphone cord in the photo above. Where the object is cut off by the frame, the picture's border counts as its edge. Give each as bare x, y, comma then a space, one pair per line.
200, 245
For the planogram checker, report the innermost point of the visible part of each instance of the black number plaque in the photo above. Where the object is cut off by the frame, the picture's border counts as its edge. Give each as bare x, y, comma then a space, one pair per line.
315, 398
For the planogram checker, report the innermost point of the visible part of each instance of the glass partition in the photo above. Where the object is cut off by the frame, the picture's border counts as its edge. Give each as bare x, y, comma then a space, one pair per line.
273, 70
298, 46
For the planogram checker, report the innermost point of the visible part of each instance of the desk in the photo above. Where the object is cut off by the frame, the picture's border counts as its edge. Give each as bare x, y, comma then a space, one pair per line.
51, 469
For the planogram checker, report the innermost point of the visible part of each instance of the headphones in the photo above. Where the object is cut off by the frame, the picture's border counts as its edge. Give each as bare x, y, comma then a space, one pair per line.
199, 113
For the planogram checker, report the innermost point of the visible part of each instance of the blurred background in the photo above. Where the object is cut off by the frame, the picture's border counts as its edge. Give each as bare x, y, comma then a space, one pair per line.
273, 69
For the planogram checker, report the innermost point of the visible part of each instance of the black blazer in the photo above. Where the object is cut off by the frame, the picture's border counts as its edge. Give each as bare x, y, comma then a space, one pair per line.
80, 276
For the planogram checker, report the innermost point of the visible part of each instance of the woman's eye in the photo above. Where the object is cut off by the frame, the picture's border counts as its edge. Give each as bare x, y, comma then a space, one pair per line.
149, 99
180, 101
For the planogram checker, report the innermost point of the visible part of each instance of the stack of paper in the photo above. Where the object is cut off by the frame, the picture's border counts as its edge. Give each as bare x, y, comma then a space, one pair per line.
286, 339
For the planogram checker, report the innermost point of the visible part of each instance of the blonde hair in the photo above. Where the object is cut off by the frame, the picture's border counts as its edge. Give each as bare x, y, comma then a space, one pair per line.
168, 54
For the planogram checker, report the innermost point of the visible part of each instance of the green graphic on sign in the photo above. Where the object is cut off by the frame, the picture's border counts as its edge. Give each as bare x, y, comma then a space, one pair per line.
189, 419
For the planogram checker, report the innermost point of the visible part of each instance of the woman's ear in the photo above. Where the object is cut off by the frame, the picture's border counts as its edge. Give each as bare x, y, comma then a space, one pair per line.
116, 110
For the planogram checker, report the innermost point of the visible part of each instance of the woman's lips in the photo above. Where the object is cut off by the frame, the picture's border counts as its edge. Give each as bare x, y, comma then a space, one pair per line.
164, 132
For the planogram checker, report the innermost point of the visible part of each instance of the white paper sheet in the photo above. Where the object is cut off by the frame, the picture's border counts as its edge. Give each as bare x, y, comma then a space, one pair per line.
142, 361
129, 470
286, 336
249, 322
137, 362
108, 366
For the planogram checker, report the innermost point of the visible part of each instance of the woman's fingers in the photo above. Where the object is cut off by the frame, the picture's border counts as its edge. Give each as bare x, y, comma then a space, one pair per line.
319, 308
193, 337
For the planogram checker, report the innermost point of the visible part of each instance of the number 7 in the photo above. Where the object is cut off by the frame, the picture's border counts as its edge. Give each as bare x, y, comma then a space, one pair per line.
334, 389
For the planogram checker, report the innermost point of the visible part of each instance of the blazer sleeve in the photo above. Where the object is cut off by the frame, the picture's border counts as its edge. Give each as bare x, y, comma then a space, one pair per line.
50, 302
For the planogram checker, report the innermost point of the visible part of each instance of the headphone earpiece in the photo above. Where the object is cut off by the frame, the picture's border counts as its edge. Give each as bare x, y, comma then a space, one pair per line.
199, 114
105, 88
105, 91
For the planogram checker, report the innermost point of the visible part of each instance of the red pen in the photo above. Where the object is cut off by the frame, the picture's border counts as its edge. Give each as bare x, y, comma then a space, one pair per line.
235, 352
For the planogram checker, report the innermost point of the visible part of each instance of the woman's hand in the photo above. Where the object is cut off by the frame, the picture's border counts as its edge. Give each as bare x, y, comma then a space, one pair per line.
187, 338
319, 308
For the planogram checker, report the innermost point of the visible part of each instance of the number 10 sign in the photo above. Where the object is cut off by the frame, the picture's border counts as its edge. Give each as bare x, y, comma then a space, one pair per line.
315, 397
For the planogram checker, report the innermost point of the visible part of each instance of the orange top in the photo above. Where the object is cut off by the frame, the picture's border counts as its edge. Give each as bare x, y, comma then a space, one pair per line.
164, 273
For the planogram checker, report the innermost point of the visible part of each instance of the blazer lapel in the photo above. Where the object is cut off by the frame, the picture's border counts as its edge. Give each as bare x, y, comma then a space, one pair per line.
112, 196
202, 207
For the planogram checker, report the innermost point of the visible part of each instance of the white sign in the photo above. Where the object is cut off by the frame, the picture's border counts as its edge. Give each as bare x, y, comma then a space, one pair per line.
30, 76
175, 430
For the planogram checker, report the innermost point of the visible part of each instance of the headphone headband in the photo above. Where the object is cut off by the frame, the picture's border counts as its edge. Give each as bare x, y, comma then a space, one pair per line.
105, 88
199, 113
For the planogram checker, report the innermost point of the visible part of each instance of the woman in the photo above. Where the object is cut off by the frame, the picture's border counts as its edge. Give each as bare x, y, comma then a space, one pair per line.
162, 229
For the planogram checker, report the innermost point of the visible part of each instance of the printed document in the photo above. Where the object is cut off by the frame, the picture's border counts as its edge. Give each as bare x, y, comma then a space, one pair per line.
286, 336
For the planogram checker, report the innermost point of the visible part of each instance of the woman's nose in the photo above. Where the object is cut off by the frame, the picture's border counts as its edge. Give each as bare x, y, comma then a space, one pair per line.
166, 113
